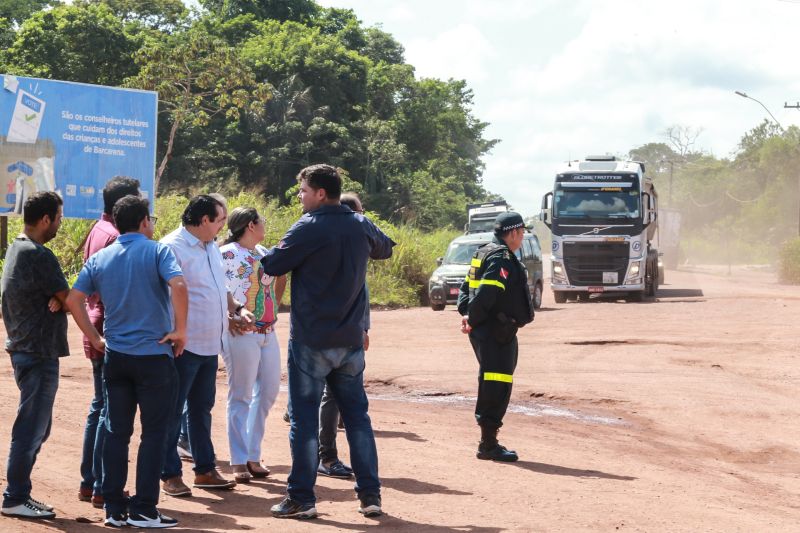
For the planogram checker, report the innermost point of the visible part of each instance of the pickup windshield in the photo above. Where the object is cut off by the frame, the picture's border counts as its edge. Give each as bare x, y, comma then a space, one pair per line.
460, 253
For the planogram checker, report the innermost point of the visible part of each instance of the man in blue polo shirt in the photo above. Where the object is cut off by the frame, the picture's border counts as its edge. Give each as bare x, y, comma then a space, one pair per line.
327, 251
133, 277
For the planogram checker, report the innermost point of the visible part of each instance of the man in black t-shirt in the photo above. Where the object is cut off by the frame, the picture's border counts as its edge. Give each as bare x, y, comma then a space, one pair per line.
33, 290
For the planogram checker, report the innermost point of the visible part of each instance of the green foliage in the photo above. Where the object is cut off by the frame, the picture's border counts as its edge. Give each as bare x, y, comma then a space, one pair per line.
789, 262
738, 210
281, 10
18, 11
83, 44
251, 91
401, 281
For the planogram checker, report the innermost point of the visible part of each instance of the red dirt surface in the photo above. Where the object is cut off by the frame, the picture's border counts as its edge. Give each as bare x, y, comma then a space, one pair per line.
673, 415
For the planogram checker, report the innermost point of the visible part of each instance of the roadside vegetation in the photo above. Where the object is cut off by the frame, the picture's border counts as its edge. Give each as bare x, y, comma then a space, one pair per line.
741, 209
402, 281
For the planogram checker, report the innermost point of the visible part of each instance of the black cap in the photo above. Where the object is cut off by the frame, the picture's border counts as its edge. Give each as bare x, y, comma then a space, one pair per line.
508, 221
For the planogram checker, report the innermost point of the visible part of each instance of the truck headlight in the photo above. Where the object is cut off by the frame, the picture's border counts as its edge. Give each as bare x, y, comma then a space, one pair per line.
635, 272
558, 272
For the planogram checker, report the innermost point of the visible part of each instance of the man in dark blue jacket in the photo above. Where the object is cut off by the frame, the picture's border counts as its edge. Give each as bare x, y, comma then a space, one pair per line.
327, 251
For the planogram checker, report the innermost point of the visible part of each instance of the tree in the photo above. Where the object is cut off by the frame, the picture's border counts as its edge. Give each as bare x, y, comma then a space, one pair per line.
18, 11
155, 14
280, 10
197, 77
86, 44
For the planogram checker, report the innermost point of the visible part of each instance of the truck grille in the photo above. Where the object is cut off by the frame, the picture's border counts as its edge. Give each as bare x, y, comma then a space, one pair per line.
586, 261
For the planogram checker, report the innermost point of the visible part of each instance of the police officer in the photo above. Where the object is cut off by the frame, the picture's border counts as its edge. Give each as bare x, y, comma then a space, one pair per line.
495, 302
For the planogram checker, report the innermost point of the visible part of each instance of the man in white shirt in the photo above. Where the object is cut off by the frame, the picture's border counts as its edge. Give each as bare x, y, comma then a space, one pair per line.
209, 306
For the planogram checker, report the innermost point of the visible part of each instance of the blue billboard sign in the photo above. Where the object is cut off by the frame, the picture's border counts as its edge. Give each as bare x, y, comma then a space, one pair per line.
72, 138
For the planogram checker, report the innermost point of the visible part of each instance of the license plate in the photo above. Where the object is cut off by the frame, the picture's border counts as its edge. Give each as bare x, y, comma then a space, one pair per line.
611, 277
596, 289
453, 291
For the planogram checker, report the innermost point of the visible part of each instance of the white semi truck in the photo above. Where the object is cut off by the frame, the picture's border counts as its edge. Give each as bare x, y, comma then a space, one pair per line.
602, 214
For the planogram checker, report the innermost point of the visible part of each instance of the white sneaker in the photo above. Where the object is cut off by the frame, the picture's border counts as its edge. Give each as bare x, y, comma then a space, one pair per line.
27, 510
160, 521
41, 505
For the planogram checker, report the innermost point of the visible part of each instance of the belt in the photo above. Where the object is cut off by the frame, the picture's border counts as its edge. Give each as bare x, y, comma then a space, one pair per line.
265, 329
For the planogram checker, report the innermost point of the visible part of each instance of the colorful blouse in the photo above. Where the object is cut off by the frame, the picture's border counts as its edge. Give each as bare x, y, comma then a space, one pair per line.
248, 283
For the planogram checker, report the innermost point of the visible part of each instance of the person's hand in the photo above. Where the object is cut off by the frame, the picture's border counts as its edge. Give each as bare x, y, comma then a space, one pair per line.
99, 344
177, 339
366, 341
54, 305
248, 319
236, 325
465, 327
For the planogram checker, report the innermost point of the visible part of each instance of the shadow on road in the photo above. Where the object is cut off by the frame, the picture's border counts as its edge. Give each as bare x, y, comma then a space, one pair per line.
555, 470
680, 293
393, 523
408, 435
415, 486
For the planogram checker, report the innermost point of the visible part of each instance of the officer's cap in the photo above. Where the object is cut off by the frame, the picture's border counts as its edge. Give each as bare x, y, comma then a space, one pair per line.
508, 221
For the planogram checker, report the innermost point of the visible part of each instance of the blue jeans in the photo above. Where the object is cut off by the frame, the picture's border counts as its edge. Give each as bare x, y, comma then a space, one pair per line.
343, 370
37, 380
148, 382
94, 434
197, 388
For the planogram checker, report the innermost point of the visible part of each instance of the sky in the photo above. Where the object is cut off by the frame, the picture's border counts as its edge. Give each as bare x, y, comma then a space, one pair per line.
561, 79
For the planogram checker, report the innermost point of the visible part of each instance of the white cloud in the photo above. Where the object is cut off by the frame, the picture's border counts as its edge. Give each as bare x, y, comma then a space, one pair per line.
460, 52
564, 78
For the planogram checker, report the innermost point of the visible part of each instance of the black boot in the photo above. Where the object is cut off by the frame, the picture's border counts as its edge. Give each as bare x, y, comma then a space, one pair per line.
491, 450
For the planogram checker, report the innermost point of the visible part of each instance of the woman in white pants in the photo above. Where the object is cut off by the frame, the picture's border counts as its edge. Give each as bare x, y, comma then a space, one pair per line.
251, 354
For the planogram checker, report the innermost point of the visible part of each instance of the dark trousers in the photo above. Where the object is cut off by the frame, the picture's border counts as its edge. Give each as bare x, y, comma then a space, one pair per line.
94, 434
149, 382
328, 427
497, 362
343, 371
197, 389
37, 380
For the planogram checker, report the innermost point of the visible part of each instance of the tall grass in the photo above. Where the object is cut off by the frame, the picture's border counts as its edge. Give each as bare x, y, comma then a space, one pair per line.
398, 282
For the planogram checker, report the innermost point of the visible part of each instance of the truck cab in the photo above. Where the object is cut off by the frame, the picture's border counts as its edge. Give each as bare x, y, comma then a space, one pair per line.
602, 214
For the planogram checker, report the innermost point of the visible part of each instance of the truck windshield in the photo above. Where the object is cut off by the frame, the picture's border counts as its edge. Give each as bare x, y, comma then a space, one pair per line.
481, 224
460, 253
597, 202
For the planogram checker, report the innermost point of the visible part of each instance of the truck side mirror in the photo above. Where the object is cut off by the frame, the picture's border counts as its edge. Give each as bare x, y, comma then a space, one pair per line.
649, 214
439, 261
546, 209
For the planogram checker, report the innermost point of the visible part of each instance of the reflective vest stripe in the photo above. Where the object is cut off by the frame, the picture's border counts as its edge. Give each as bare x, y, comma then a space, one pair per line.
494, 376
475, 283
475, 262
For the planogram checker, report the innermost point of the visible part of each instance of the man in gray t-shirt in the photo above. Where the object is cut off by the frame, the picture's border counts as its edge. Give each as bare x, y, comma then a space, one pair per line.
33, 290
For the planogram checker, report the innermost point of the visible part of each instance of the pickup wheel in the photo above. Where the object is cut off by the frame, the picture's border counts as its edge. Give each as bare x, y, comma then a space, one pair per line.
437, 307
537, 296
560, 297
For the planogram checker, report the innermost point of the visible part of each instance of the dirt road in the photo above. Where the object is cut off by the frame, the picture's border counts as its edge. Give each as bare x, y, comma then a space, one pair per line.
675, 415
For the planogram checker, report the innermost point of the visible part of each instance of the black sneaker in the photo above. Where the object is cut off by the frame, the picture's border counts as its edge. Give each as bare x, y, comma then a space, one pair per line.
370, 505
336, 469
157, 522
289, 508
497, 453
117, 520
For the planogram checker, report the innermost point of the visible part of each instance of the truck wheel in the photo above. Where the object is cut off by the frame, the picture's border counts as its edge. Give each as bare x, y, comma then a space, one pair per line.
560, 297
437, 307
650, 280
537, 296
